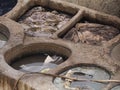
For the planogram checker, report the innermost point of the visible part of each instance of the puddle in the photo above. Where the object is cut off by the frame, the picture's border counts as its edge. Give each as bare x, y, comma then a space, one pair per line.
94, 73
37, 62
43, 22
6, 5
116, 52
116, 88
91, 33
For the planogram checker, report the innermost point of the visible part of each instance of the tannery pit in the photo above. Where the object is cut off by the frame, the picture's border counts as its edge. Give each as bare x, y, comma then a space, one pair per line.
37, 59
84, 72
44, 22
91, 33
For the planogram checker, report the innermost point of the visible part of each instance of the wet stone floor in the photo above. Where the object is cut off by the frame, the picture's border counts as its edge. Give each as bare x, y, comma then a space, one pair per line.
91, 33
40, 21
6, 5
88, 73
38, 62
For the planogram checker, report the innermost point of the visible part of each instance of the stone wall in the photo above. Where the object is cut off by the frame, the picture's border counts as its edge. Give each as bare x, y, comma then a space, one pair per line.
108, 6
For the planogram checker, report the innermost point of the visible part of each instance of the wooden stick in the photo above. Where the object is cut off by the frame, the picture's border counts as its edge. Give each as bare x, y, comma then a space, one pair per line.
82, 80
70, 24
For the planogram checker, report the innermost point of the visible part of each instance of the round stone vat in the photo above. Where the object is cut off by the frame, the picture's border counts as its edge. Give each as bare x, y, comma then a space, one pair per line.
4, 35
37, 57
83, 72
116, 88
6, 6
115, 53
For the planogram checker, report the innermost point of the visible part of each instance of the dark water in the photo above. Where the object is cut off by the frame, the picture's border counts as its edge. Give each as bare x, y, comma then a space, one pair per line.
84, 73
36, 63
6, 5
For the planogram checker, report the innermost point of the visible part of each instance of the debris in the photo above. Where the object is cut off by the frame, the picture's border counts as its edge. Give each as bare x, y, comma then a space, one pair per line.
57, 59
43, 22
72, 35
67, 83
45, 70
91, 33
54, 59
48, 60
22, 66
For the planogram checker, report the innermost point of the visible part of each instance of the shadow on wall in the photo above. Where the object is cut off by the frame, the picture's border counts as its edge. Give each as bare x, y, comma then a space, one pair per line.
108, 6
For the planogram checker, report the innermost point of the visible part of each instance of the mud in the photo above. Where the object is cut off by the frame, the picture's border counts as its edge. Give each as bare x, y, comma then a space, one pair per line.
91, 33
43, 22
